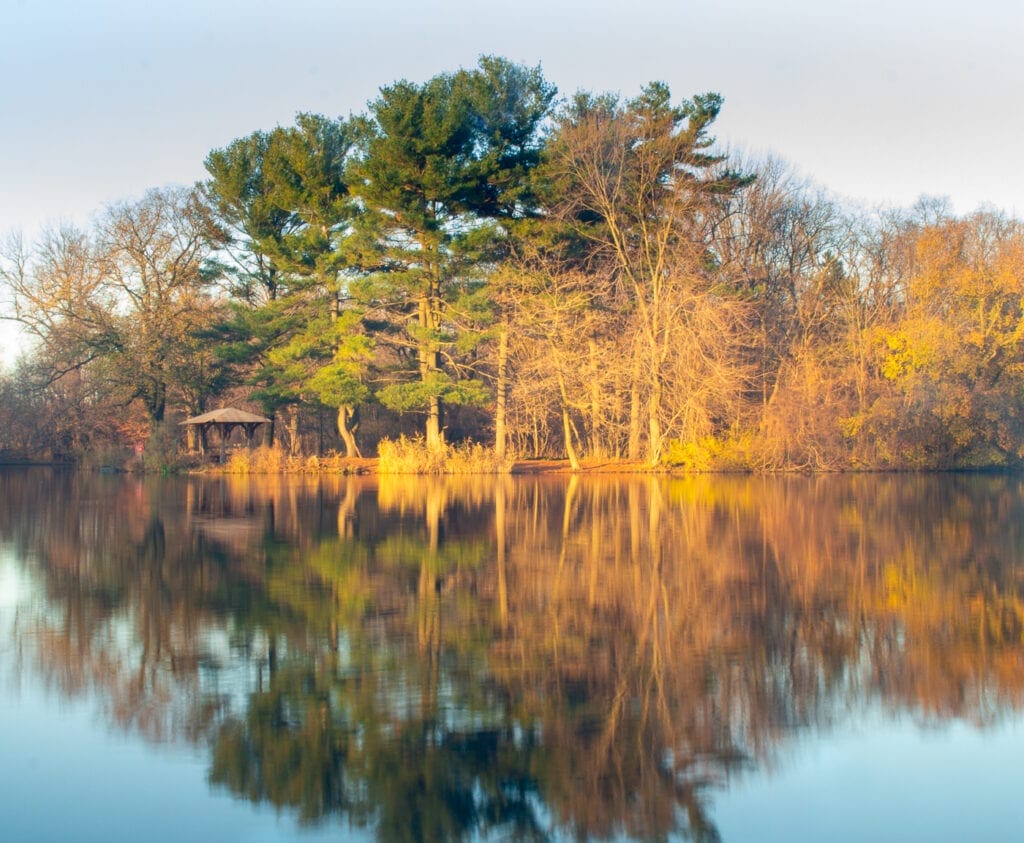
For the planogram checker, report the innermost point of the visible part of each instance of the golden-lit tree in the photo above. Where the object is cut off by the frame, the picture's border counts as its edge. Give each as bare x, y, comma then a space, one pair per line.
950, 364
636, 182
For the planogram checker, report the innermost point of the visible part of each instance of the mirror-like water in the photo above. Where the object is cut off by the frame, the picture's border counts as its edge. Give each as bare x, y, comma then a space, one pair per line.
740, 659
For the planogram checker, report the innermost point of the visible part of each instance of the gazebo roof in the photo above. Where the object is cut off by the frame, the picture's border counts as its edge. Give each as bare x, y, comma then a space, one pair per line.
227, 415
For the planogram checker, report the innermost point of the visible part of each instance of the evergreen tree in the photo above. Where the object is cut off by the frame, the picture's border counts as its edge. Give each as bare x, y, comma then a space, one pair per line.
287, 193
444, 161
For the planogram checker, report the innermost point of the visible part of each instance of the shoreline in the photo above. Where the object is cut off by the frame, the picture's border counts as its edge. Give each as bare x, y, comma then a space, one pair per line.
368, 466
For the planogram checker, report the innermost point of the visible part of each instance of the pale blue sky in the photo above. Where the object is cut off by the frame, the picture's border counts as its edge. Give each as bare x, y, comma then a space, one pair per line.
878, 100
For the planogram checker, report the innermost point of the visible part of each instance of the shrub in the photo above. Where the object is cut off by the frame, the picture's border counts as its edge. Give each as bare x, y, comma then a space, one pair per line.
413, 456
161, 454
730, 453
274, 460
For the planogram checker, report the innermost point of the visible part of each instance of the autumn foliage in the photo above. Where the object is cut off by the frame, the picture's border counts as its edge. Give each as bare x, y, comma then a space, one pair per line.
472, 260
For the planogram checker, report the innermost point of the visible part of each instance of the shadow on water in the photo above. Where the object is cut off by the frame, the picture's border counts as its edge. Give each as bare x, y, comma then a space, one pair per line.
534, 658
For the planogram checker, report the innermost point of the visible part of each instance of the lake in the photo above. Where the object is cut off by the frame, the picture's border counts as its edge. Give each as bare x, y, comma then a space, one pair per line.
537, 658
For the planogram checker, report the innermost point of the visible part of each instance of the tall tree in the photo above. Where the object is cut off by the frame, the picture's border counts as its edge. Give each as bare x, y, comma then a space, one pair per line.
787, 250
951, 365
153, 261
286, 192
636, 180
309, 175
239, 189
443, 161
126, 299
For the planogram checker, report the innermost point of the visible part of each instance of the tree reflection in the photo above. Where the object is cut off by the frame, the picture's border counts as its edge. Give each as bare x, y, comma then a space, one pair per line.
538, 658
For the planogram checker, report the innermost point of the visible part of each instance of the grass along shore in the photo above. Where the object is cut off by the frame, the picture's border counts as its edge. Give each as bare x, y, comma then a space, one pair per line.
411, 456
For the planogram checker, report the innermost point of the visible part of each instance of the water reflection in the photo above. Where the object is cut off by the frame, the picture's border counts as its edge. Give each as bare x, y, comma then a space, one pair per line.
529, 658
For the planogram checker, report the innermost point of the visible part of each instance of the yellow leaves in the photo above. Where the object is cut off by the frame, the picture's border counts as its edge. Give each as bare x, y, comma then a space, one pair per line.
912, 346
959, 274
851, 426
901, 359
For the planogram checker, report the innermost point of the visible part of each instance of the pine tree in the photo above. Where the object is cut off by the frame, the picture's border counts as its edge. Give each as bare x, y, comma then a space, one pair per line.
445, 161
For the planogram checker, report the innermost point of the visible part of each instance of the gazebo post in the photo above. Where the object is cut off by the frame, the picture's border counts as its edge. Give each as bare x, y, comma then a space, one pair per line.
225, 433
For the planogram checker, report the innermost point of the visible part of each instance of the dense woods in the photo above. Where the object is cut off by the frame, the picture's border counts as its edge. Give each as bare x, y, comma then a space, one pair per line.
473, 258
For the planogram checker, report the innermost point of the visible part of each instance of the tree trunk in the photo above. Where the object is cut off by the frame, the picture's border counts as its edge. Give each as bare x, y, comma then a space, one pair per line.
435, 439
634, 411
294, 442
155, 399
654, 418
570, 449
596, 446
428, 358
347, 426
500, 432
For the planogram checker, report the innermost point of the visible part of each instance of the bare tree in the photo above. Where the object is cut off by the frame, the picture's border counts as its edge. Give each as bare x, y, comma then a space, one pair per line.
125, 300
636, 182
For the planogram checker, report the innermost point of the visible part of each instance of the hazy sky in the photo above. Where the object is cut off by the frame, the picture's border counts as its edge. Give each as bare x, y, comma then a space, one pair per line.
877, 100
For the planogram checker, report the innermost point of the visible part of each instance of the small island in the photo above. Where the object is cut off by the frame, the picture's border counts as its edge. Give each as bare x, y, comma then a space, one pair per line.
474, 271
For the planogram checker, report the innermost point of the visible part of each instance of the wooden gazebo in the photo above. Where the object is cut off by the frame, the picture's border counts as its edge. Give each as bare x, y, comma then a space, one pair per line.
226, 420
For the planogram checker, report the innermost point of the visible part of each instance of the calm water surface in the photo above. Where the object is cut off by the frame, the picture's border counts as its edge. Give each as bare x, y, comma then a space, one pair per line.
544, 659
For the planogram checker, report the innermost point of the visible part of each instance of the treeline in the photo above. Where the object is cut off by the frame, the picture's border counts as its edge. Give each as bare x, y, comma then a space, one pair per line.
472, 258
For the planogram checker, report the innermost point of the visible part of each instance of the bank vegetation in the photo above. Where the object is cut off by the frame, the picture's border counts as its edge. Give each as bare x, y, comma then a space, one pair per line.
476, 260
